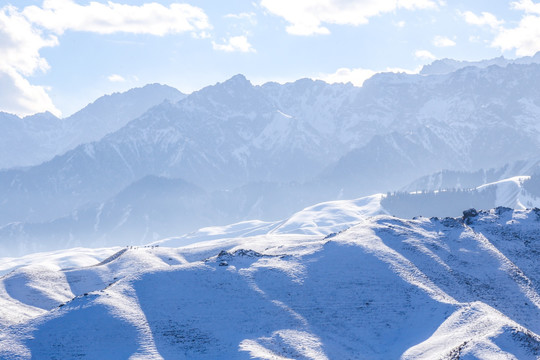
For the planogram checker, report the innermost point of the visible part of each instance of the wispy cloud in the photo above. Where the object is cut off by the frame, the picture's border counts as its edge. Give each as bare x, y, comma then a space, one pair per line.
116, 78
251, 17
525, 37
151, 18
424, 55
485, 18
307, 17
528, 6
443, 41
234, 43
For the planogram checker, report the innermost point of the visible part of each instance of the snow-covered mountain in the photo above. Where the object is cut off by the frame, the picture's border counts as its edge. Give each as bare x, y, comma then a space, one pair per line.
38, 138
445, 66
332, 282
27, 141
110, 113
313, 141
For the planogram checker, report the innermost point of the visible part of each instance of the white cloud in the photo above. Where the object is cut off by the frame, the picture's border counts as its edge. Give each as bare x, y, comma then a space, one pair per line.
357, 76
18, 96
201, 35
151, 18
306, 17
344, 75
442, 41
116, 78
234, 43
20, 43
486, 18
525, 38
424, 55
23, 33
528, 6
251, 17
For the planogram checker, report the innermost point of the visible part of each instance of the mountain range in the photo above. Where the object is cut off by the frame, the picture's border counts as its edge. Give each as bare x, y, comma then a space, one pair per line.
266, 151
158, 225
38, 138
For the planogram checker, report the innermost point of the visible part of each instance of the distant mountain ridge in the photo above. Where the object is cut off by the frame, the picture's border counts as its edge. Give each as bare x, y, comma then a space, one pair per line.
37, 138
155, 208
308, 140
445, 66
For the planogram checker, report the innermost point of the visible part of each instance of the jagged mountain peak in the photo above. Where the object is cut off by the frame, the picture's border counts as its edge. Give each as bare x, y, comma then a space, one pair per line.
237, 80
236, 84
236, 95
150, 93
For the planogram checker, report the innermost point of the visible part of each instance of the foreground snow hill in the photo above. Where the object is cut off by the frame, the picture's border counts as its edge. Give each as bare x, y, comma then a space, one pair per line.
332, 282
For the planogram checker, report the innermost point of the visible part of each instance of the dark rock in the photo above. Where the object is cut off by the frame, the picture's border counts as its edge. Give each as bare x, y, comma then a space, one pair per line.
469, 214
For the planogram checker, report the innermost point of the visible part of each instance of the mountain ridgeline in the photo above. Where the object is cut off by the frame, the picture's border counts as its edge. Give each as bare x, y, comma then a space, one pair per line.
376, 287
38, 138
231, 149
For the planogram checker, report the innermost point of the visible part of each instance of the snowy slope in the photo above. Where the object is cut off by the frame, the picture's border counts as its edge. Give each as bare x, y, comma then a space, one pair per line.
384, 288
510, 193
321, 220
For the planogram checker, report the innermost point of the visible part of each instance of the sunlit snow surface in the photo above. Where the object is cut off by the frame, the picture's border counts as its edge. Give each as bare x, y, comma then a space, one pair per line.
337, 280
320, 220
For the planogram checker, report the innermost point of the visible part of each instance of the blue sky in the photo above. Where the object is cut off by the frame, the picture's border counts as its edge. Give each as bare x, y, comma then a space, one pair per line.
59, 55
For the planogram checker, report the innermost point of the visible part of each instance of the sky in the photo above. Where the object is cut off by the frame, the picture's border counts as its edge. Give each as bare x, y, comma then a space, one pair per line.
60, 55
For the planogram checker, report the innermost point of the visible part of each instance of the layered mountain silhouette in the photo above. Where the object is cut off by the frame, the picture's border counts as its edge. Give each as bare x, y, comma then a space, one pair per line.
240, 146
